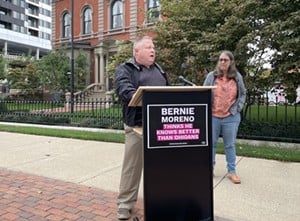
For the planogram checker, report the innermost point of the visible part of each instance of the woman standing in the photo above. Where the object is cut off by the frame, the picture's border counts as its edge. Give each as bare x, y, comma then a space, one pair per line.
227, 102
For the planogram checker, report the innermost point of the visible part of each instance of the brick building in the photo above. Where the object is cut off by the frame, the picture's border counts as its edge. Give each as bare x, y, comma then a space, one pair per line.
98, 26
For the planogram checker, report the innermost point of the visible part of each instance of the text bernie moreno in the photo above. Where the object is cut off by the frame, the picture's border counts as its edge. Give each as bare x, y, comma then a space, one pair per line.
177, 114
177, 119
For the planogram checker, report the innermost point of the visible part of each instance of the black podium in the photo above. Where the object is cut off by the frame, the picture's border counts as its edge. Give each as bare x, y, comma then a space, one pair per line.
178, 180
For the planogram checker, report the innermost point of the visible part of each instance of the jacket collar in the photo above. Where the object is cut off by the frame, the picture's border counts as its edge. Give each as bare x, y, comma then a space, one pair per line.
133, 62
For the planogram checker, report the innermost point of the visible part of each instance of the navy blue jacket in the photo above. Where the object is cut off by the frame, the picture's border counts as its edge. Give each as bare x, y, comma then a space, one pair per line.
126, 83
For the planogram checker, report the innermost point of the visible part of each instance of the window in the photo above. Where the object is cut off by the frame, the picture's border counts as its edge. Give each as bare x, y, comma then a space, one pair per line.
16, 2
15, 27
87, 21
153, 10
45, 35
15, 14
22, 29
66, 24
22, 16
47, 24
117, 15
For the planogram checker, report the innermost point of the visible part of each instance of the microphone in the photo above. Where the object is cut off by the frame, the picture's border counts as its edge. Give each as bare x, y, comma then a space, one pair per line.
185, 81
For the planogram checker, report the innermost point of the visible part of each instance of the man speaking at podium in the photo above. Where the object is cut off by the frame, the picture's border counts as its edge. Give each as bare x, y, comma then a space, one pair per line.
141, 70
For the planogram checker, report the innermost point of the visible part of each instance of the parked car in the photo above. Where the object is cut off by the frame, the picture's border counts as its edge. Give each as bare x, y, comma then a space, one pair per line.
298, 95
276, 95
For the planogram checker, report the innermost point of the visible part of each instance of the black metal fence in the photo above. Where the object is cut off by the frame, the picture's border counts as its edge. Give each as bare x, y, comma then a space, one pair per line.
95, 113
280, 122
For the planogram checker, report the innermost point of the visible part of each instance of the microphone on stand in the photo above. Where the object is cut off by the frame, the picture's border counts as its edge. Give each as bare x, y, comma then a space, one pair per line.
185, 81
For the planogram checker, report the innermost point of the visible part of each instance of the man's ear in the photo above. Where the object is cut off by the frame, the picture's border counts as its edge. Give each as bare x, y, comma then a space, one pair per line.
135, 50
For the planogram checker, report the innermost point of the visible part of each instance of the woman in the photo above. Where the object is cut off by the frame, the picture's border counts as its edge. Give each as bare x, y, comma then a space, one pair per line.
227, 102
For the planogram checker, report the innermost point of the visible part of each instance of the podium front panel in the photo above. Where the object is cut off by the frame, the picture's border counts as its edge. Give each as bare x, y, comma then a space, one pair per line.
178, 181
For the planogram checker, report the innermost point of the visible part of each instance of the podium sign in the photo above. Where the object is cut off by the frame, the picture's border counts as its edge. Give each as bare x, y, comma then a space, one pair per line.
178, 181
177, 125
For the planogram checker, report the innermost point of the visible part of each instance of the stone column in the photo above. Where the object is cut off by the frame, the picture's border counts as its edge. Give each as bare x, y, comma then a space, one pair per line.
37, 56
106, 75
96, 68
68, 100
5, 48
102, 70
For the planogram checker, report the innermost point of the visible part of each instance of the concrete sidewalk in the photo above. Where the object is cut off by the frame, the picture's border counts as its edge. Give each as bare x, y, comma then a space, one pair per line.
88, 172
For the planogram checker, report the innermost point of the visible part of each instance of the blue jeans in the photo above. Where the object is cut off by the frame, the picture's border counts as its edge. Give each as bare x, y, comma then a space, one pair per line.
228, 128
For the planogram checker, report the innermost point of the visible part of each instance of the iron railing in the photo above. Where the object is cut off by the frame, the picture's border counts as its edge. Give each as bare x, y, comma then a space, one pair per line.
97, 113
278, 120
259, 120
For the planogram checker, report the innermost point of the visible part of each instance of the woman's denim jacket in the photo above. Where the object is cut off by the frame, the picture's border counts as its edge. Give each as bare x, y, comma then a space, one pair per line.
238, 105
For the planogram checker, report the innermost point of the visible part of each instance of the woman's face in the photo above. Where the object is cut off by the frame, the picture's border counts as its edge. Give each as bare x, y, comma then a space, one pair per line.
224, 62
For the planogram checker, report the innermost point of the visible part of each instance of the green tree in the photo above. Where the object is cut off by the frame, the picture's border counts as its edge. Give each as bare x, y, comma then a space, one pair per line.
81, 71
33, 82
15, 78
195, 31
23, 76
16, 73
284, 36
258, 32
53, 69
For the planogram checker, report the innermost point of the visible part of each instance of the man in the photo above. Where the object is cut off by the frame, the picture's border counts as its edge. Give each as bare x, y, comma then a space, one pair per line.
141, 70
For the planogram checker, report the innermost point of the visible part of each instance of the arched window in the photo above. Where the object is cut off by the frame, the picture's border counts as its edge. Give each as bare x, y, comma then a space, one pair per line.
153, 10
87, 21
66, 24
117, 14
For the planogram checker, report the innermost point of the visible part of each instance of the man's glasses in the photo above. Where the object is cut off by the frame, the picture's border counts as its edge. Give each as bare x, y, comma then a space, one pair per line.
223, 60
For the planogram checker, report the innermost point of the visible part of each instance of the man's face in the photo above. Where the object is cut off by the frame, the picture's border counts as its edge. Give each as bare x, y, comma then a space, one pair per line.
145, 53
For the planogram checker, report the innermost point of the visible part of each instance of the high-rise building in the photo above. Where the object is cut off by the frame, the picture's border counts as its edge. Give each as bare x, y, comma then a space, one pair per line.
25, 27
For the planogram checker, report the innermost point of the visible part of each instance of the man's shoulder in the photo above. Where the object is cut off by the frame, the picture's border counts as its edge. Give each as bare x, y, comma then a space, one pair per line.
126, 66
132, 64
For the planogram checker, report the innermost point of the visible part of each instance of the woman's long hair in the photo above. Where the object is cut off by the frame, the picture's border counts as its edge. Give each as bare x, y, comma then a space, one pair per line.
232, 70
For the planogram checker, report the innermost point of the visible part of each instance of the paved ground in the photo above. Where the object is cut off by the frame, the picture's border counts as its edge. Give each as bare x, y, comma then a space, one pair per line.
49, 178
26, 197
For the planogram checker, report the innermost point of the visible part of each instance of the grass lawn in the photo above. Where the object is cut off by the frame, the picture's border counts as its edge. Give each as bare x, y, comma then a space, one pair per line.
66, 133
265, 152
279, 113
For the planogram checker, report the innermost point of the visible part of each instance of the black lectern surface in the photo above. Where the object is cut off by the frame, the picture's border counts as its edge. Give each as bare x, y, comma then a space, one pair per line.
178, 182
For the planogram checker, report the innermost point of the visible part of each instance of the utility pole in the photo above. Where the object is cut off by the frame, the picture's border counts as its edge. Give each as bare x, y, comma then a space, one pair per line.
72, 57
